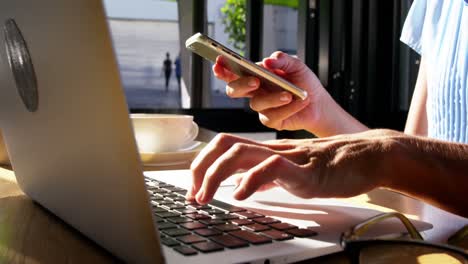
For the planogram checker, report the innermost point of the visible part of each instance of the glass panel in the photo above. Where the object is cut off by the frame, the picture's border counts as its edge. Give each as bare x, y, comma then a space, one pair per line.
279, 27
146, 40
226, 24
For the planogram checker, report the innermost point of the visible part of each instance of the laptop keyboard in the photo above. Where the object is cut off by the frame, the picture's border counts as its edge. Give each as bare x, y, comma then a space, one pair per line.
190, 228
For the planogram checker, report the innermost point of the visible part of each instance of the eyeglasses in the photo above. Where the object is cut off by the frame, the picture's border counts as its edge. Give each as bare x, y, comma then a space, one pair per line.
382, 251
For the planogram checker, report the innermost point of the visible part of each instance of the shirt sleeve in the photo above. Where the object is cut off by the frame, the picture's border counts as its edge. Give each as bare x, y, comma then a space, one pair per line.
412, 33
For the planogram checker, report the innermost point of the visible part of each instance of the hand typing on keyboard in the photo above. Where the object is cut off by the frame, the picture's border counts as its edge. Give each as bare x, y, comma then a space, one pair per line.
189, 227
340, 166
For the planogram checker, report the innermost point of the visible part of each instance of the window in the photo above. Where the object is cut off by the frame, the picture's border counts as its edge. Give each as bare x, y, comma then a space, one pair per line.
279, 27
146, 40
222, 16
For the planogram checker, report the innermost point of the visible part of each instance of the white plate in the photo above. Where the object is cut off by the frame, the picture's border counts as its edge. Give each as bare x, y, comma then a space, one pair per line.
182, 156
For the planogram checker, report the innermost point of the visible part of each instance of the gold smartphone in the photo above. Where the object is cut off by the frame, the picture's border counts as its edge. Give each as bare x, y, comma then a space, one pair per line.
210, 49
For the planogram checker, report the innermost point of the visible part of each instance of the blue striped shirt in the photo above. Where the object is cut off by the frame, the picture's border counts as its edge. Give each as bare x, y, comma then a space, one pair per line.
438, 30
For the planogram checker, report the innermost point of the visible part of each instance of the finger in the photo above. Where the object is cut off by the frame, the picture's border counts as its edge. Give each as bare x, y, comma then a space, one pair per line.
275, 117
239, 156
228, 75
223, 74
267, 186
220, 144
282, 61
269, 100
265, 173
238, 179
242, 87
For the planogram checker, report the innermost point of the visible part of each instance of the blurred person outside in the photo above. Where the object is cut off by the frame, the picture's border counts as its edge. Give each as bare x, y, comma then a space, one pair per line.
167, 69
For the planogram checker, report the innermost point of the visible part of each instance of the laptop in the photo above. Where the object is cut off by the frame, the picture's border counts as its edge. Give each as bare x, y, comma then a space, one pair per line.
66, 126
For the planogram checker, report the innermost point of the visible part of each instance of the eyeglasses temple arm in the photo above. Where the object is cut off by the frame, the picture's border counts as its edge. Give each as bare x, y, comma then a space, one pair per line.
360, 229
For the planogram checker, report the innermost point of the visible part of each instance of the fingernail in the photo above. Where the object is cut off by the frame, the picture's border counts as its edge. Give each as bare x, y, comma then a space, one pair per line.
285, 97
252, 83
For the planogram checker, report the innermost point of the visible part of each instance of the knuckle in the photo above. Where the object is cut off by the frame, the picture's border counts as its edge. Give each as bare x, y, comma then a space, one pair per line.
254, 104
238, 148
276, 158
230, 91
194, 167
266, 121
221, 139
277, 54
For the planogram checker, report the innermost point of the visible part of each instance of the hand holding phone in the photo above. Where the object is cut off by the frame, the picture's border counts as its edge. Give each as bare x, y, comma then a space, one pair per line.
210, 50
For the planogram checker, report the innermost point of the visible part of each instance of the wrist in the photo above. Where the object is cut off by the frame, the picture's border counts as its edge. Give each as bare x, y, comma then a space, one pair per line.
330, 119
403, 171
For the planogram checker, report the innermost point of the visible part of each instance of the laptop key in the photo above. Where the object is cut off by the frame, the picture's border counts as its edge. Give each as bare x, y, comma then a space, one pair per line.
226, 227
193, 225
170, 195
158, 219
266, 220
160, 191
208, 246
225, 216
206, 232
283, 226
173, 206
197, 216
277, 235
249, 214
187, 251
179, 219
190, 239
229, 241
301, 232
158, 196
185, 211
164, 185
178, 199
213, 222
251, 237
167, 214
164, 202
173, 188
199, 206
158, 209
166, 225
176, 232
241, 222
226, 207
256, 227
170, 242
212, 211
181, 193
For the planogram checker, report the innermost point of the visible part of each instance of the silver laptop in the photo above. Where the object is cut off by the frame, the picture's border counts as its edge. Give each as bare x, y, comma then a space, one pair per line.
66, 126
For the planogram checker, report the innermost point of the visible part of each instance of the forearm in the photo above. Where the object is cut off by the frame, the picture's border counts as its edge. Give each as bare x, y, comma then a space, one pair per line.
431, 170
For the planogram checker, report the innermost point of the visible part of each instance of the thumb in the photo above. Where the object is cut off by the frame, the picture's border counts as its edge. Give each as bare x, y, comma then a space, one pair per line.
282, 61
